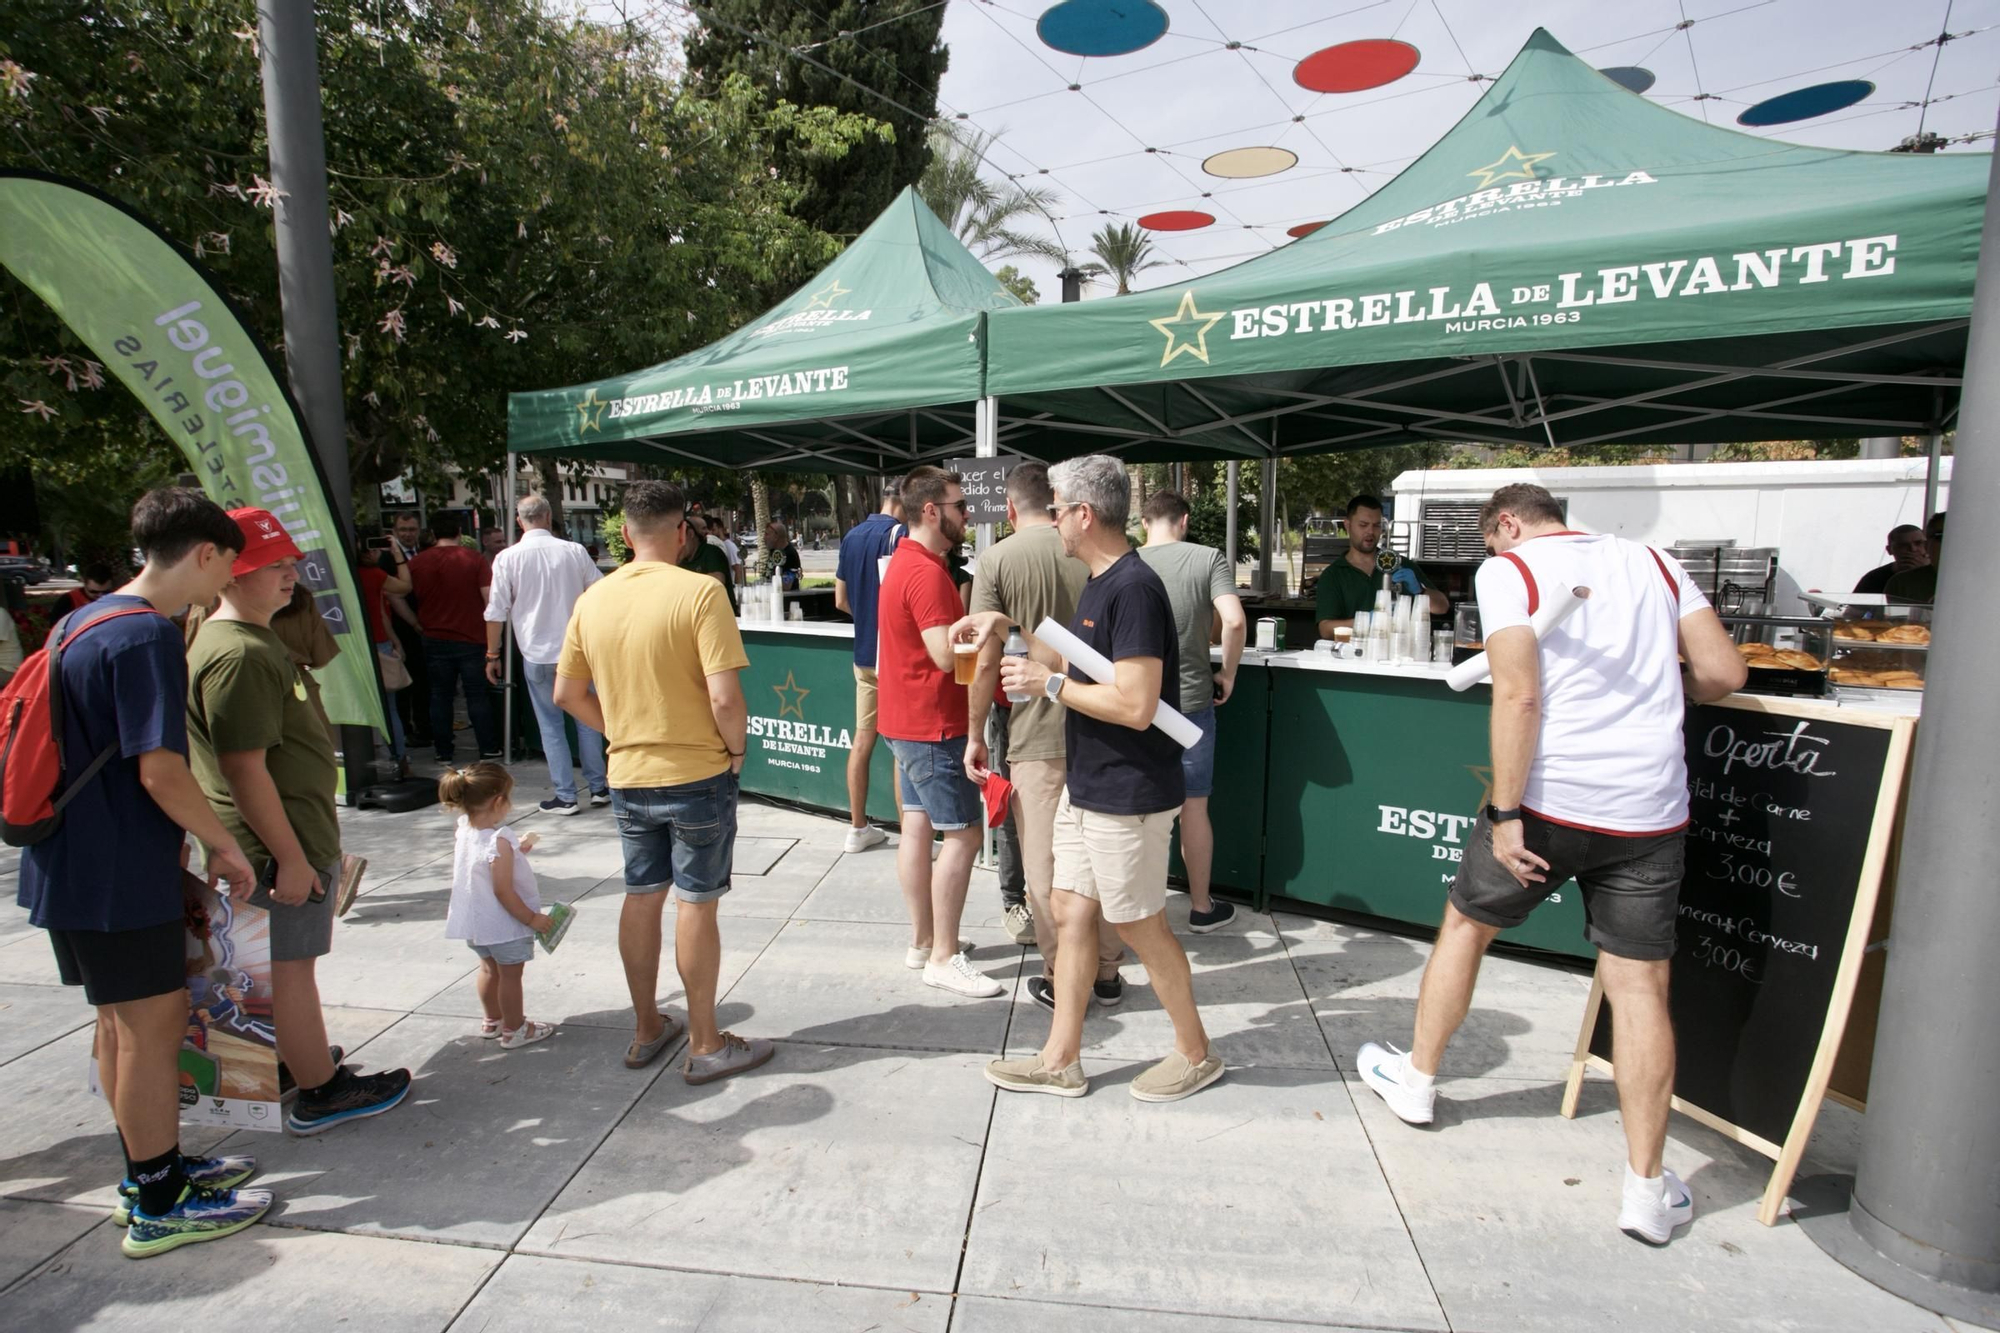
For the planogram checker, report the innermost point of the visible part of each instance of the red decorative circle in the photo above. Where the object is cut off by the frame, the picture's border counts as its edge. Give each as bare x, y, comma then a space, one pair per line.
1183, 219
1304, 229
1353, 67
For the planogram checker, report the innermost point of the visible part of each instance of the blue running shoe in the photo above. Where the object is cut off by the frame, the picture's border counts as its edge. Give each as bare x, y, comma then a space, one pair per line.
201, 1214
350, 1096
215, 1173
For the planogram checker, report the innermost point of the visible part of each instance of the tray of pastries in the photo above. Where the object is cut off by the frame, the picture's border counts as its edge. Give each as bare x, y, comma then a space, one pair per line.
1762, 656
1882, 633
1871, 679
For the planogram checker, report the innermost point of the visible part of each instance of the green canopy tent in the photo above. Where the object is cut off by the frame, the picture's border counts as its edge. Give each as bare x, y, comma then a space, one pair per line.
878, 359
1570, 264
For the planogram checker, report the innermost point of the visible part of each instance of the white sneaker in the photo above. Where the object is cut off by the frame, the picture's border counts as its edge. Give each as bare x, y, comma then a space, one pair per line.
861, 839
1654, 1208
917, 955
960, 977
1383, 1068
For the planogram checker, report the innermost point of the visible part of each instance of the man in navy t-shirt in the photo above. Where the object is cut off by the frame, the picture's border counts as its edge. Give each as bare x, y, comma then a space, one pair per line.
106, 884
857, 585
1115, 821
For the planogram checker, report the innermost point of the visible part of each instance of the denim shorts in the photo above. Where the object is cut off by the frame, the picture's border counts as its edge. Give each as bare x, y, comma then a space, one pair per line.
509, 953
932, 774
1631, 886
683, 838
1198, 760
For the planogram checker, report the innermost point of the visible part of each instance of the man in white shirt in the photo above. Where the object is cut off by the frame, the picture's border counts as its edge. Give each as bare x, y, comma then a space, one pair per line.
1590, 783
718, 535
535, 584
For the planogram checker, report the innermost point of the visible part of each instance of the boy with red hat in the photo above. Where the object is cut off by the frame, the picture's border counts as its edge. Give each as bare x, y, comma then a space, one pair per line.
266, 764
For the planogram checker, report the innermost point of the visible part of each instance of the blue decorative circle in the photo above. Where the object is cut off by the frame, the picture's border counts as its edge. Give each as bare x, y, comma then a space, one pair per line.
1102, 27
1805, 103
1632, 78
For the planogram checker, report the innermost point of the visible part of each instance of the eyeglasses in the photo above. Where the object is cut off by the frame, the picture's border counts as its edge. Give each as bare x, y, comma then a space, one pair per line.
1057, 511
958, 504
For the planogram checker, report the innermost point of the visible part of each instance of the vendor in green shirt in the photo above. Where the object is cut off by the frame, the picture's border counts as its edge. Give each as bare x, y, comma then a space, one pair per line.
702, 558
1920, 584
1348, 585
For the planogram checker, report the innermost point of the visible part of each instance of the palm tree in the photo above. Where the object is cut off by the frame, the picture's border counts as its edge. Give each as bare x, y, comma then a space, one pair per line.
985, 216
1125, 252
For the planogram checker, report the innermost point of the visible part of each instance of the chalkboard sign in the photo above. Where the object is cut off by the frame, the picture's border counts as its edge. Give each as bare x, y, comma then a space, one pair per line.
985, 483
1791, 806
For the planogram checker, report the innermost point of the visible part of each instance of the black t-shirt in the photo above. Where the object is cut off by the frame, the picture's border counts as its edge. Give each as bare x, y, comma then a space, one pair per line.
1876, 579
1114, 770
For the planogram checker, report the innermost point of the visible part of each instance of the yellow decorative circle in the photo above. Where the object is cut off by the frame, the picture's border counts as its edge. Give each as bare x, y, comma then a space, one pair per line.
1244, 163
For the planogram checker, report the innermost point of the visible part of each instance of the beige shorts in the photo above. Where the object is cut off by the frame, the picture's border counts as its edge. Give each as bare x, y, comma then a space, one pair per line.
1118, 860
864, 698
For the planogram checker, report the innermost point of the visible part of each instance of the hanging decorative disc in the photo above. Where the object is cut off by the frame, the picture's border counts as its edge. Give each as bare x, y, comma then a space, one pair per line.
1805, 103
1184, 219
1353, 67
1632, 78
1304, 229
1101, 27
1244, 163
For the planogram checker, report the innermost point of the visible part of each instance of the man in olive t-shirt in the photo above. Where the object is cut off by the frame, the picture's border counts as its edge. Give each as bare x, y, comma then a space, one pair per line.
1348, 585
264, 761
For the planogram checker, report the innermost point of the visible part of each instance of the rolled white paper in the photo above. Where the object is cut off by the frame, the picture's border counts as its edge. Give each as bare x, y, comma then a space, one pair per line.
1560, 605
1098, 667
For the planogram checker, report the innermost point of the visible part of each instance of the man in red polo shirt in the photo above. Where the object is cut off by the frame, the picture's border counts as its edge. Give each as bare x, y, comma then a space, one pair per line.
451, 582
921, 714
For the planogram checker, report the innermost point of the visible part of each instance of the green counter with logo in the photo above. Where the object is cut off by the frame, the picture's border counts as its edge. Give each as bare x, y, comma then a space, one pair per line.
1373, 781
799, 692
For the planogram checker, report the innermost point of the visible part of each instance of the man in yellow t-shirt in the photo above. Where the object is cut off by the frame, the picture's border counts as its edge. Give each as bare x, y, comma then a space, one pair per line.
662, 649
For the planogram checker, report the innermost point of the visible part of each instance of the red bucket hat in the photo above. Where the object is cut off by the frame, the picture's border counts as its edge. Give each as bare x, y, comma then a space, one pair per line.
265, 541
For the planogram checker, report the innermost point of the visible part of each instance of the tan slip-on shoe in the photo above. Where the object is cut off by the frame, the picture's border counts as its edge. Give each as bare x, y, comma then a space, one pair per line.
1027, 1075
1176, 1077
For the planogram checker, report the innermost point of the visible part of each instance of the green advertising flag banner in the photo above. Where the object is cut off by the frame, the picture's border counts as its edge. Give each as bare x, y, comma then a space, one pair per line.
159, 325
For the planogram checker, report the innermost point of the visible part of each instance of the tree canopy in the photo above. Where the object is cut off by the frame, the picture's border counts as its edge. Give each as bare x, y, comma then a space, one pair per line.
519, 200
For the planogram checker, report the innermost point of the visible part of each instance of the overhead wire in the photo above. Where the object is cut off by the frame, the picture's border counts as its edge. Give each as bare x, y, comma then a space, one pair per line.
1944, 35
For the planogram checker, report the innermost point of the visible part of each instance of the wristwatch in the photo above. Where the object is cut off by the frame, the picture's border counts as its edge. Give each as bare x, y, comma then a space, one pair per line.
1495, 815
1053, 686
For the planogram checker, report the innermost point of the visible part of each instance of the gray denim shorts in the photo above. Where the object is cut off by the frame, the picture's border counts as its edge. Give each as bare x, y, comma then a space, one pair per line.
302, 932
1631, 886
508, 952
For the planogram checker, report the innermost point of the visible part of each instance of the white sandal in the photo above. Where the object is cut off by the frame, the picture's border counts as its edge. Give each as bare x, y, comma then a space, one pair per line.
527, 1034
489, 1028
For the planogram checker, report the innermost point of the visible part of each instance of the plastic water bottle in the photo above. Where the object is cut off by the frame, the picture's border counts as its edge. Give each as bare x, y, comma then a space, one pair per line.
1016, 647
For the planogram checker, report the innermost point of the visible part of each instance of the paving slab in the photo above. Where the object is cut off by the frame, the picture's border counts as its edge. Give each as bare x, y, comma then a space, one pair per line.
583, 982
844, 983
532, 1294
28, 960
1251, 1003
1364, 987
1258, 1194
829, 1164
756, 856
31, 1233
784, 884
1509, 1204
389, 951
14, 923
63, 1147
987, 1314
862, 886
266, 1277
32, 1016
486, 1138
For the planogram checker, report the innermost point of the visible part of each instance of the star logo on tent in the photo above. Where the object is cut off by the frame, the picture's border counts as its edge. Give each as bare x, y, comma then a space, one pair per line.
1187, 331
824, 298
791, 697
1509, 165
591, 409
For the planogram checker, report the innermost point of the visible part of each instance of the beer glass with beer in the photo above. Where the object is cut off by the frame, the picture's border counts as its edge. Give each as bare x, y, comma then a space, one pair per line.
965, 663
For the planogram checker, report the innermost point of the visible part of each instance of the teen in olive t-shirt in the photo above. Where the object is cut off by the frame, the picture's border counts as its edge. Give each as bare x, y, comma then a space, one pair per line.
246, 693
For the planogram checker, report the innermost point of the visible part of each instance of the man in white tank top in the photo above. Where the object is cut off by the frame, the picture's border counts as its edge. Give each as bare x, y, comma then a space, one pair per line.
1589, 783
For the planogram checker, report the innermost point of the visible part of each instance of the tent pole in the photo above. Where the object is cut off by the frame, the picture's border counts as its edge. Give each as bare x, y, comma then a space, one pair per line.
507, 630
1267, 520
1234, 471
986, 444
1931, 475
1919, 1222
